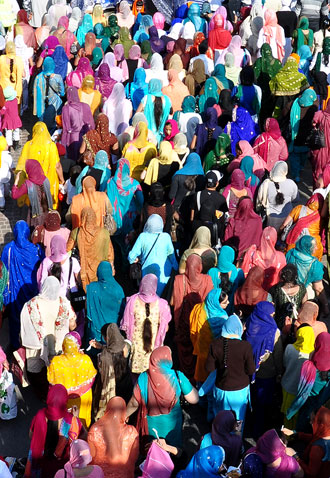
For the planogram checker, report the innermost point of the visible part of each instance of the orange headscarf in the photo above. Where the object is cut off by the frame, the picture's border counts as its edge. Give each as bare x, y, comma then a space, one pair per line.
134, 8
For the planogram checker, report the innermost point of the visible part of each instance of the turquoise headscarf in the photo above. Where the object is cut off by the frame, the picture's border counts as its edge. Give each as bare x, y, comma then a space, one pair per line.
102, 163
246, 166
97, 56
225, 265
155, 89
216, 315
210, 96
308, 267
305, 60
220, 74
232, 326
194, 16
189, 104
85, 27
306, 99
48, 66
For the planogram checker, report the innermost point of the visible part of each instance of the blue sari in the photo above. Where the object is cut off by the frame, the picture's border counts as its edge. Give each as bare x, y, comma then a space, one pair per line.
101, 163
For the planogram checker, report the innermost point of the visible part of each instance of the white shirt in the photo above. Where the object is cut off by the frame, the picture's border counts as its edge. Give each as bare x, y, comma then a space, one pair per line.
208, 63
6, 163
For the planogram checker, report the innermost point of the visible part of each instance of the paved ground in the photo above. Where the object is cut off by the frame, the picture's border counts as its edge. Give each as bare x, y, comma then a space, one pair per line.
14, 434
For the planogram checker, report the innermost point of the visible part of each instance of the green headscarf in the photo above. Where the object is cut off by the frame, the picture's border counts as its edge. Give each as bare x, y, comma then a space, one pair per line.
125, 40
306, 99
288, 81
146, 50
112, 30
304, 25
266, 63
325, 52
221, 153
97, 56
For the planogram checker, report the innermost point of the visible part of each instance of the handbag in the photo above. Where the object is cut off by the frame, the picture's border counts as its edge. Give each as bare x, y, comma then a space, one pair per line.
286, 230
76, 298
135, 270
110, 224
316, 139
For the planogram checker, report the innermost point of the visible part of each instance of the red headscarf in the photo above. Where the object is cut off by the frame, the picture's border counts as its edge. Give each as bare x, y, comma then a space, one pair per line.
35, 172
315, 203
219, 38
251, 292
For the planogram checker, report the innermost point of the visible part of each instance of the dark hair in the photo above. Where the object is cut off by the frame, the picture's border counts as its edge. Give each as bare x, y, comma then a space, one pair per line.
74, 173
158, 110
222, 297
289, 274
225, 282
51, 437
47, 78
279, 198
203, 47
56, 270
119, 365
247, 76
11, 66
147, 332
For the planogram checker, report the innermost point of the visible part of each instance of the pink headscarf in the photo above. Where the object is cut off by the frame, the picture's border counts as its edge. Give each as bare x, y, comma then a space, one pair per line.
116, 73
270, 23
259, 164
80, 457
3, 358
58, 249
119, 53
223, 12
159, 20
235, 48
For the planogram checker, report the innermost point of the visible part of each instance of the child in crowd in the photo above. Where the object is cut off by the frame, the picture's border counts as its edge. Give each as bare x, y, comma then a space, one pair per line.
10, 120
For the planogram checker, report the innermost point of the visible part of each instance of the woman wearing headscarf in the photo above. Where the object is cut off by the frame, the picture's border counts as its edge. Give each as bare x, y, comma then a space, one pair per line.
77, 119
75, 19
245, 30
294, 356
21, 258
94, 245
235, 190
175, 63
35, 191
206, 134
265, 338
137, 89
139, 151
22, 27
200, 245
210, 97
273, 34
85, 27
194, 16
161, 259
116, 72
100, 138
88, 49
232, 71
104, 83
62, 64
196, 78
219, 37
310, 270
207, 462
303, 35
189, 289
162, 168
306, 220
275, 455
206, 320
58, 9
43, 31
114, 445
11, 70
98, 16
80, 457
245, 228
26, 53
105, 299
229, 363
219, 74
277, 194
43, 149
156, 397
119, 53
125, 16
113, 363
176, 90
180, 146
45, 315
112, 30
247, 93
306, 58
76, 77
251, 292
241, 128
65, 36
89, 197
251, 180
321, 120
118, 109
52, 431
266, 256
102, 175
271, 145
223, 435
88, 94
157, 45
243, 148
186, 114
76, 372
97, 57
187, 180
170, 131
145, 322
125, 40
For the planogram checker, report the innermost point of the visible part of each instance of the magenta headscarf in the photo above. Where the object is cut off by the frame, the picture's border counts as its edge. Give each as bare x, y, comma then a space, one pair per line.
35, 172
159, 20
269, 447
80, 457
237, 180
84, 67
58, 249
49, 46
104, 83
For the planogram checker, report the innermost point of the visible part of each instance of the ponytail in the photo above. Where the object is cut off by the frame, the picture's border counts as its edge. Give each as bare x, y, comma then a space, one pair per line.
147, 332
56, 271
11, 67
158, 110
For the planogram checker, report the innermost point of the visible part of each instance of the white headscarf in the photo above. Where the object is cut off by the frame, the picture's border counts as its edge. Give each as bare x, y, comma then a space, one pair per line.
116, 73
279, 172
176, 31
156, 62
75, 19
50, 289
118, 109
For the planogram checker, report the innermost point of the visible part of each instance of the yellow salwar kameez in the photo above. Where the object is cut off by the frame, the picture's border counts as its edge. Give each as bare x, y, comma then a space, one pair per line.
17, 71
44, 150
201, 337
139, 151
76, 372
88, 95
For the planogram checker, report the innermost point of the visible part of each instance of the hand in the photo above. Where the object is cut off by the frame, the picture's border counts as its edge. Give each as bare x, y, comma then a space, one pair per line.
6, 364
161, 442
94, 343
287, 432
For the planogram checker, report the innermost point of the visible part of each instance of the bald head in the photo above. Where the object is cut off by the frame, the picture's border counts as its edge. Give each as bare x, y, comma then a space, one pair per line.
308, 313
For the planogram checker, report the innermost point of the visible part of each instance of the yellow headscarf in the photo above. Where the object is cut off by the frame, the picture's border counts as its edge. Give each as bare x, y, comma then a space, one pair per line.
3, 146
166, 156
305, 340
98, 16
88, 84
10, 49
40, 133
142, 134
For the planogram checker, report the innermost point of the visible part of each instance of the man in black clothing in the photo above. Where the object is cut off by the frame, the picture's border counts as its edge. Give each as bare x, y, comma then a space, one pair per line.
209, 208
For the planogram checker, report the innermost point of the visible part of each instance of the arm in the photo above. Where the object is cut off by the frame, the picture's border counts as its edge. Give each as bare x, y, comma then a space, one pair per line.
193, 142
59, 172
136, 252
82, 148
132, 406
192, 397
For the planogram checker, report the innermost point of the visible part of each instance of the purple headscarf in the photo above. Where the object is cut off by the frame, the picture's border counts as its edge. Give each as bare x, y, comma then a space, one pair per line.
242, 128
157, 45
73, 98
119, 52
211, 118
260, 331
84, 67
134, 52
104, 83
222, 428
269, 447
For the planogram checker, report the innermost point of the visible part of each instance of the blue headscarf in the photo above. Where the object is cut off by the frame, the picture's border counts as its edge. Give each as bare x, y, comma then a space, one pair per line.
210, 96
192, 166
243, 128
180, 13
194, 16
246, 166
232, 326
61, 61
105, 300
306, 99
142, 32
189, 104
253, 466
225, 265
48, 66
22, 264
138, 88
101, 163
220, 74
154, 224
308, 267
216, 315
260, 331
85, 27
205, 463
305, 60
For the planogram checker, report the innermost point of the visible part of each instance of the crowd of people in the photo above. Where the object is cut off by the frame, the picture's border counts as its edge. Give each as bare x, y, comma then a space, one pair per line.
168, 262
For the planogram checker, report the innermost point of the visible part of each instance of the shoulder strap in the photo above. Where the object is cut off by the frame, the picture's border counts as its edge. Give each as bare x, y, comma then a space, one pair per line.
151, 249
198, 199
70, 272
